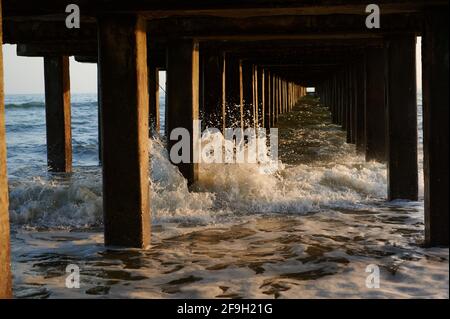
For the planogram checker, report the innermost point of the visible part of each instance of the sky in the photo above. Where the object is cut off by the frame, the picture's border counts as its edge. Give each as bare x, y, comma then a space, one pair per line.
25, 75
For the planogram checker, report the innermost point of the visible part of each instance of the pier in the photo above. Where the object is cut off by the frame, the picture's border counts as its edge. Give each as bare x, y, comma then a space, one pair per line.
236, 64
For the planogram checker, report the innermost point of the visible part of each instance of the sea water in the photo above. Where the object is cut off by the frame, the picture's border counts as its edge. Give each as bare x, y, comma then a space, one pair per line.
308, 228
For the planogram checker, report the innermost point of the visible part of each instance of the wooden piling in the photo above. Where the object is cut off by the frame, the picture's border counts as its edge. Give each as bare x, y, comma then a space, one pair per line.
360, 83
375, 113
353, 101
5, 250
402, 118
335, 100
259, 82
234, 108
267, 100
436, 127
348, 104
274, 99
255, 96
99, 116
280, 96
213, 110
183, 97
124, 95
341, 111
57, 113
247, 94
153, 98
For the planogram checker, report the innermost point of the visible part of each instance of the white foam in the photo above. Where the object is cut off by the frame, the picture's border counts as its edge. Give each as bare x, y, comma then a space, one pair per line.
223, 188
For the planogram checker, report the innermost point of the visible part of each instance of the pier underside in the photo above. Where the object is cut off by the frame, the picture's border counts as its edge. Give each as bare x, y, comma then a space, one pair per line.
237, 64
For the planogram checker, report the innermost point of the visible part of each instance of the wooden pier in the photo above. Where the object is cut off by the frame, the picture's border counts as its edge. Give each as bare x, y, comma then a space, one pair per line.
237, 64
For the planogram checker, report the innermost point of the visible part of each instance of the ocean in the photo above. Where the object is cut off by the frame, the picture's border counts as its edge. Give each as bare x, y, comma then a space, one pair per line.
307, 228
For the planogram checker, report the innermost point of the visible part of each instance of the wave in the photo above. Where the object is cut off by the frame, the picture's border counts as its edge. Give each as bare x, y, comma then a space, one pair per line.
30, 105
25, 105
223, 191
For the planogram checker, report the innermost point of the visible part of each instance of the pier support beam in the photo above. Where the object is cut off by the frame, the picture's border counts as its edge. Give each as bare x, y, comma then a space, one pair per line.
153, 98
234, 108
183, 98
436, 128
348, 104
352, 104
57, 113
402, 118
273, 100
124, 96
259, 84
212, 88
375, 113
360, 106
99, 116
247, 94
267, 100
5, 261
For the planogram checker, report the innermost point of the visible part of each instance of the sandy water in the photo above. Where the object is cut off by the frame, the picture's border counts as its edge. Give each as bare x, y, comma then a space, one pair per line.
308, 229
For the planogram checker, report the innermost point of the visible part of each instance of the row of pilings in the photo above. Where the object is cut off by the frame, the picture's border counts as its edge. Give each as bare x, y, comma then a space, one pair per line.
374, 99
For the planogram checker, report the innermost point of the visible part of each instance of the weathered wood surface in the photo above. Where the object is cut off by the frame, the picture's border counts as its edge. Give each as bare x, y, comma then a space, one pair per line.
57, 113
435, 66
124, 98
224, 8
183, 99
401, 125
5, 250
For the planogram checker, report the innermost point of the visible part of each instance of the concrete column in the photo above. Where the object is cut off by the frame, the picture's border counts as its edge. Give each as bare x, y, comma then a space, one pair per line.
436, 127
5, 261
183, 97
57, 113
375, 114
402, 118
124, 96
